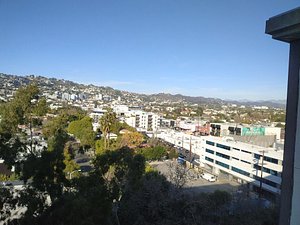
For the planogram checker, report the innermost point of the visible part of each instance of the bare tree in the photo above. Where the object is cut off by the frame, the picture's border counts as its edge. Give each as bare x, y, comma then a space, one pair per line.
177, 174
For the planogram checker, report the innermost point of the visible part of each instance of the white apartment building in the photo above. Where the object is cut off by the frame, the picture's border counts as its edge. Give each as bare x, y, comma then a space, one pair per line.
143, 121
240, 161
121, 110
96, 114
187, 125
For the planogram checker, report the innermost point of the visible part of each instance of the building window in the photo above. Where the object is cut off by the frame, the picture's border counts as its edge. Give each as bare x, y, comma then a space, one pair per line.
266, 170
223, 146
271, 160
245, 162
222, 164
235, 158
209, 151
272, 172
257, 167
240, 171
257, 156
209, 159
222, 155
266, 158
246, 151
268, 182
236, 149
210, 143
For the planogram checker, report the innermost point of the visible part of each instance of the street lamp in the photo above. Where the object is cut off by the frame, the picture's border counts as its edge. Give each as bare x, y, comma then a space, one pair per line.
74, 172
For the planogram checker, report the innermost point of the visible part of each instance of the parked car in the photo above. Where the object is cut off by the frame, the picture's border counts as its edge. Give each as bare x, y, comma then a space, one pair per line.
7, 184
181, 161
82, 160
85, 169
209, 177
181, 156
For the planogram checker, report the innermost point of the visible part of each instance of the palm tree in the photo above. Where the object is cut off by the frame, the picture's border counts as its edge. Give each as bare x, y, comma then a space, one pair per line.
106, 122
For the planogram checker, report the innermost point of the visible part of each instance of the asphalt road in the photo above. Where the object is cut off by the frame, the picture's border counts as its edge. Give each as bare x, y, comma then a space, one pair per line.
84, 161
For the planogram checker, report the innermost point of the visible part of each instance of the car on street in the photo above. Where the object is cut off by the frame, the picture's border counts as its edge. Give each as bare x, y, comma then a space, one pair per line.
85, 169
181, 161
82, 160
7, 184
209, 177
181, 156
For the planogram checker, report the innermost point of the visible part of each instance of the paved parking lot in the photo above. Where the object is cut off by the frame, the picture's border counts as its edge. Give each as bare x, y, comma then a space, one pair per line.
195, 183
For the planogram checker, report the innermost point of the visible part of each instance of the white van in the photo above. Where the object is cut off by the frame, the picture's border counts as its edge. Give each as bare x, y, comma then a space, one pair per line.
209, 177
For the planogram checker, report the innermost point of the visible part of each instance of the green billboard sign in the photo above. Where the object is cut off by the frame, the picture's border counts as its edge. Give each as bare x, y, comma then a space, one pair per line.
248, 131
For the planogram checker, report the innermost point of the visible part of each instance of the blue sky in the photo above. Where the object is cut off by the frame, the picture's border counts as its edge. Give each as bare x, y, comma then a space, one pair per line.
208, 48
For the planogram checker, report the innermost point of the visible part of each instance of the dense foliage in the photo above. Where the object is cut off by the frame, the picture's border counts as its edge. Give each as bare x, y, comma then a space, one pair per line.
152, 153
83, 130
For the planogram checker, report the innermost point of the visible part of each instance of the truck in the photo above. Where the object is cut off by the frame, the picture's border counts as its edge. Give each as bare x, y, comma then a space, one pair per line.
209, 177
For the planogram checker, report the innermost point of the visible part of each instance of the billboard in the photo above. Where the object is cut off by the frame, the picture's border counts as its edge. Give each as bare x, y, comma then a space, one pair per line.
250, 131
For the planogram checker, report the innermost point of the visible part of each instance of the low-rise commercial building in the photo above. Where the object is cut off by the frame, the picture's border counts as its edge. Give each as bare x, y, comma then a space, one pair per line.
256, 166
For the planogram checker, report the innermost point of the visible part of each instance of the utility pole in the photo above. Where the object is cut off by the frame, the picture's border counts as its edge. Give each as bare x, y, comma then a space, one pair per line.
261, 174
199, 122
190, 150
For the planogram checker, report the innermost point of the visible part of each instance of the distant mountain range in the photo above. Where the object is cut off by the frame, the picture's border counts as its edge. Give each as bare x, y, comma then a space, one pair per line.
59, 84
268, 103
205, 100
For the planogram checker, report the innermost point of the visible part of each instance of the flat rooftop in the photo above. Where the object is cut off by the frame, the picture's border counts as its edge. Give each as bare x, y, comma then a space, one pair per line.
285, 27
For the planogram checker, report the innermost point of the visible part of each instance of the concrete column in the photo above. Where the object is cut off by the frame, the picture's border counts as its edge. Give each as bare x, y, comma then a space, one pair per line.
286, 27
216, 170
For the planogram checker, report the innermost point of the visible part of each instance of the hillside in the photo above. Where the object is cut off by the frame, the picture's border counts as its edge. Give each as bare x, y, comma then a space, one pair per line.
9, 82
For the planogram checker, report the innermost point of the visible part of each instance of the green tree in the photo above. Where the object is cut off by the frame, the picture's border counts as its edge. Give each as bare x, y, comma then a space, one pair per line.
46, 172
199, 111
41, 107
71, 112
70, 164
122, 169
11, 149
23, 109
152, 153
20, 110
99, 146
83, 130
172, 153
56, 123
